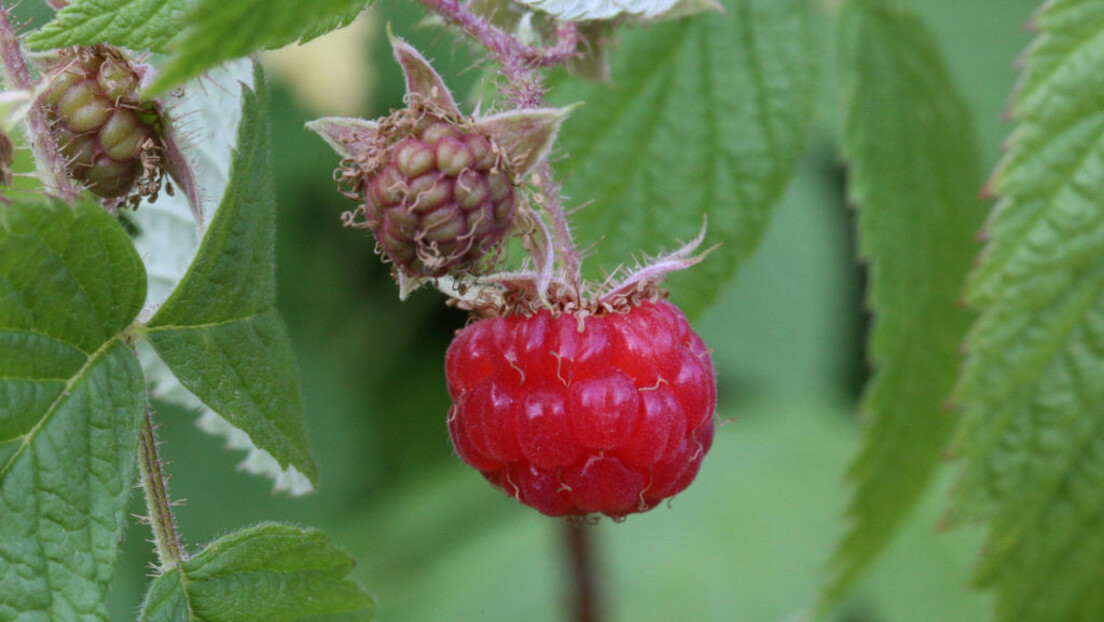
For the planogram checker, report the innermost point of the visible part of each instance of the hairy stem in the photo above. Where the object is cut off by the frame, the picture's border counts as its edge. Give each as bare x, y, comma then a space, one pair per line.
169, 552
583, 574
50, 162
561, 227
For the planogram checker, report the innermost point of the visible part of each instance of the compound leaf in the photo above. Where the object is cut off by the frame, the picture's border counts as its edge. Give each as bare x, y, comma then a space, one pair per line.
219, 331
704, 116
215, 31
1032, 439
71, 399
135, 24
269, 572
914, 179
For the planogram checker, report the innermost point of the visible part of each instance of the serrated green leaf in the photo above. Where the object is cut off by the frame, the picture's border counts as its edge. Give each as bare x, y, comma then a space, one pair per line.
71, 399
704, 116
276, 573
216, 31
218, 331
914, 179
135, 24
1032, 439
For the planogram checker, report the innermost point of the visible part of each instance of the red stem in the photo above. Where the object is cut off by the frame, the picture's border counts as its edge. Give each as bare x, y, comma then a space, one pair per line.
51, 164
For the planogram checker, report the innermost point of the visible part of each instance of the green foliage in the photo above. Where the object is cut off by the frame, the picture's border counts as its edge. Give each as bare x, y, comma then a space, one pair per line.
704, 116
134, 24
215, 31
269, 572
71, 398
219, 331
1032, 439
914, 176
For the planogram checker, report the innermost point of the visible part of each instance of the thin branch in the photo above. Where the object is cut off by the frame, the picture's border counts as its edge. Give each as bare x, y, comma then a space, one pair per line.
51, 164
169, 551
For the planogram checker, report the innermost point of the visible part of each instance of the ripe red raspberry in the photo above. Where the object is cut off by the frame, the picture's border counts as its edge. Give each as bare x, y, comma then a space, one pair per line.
438, 196
612, 414
97, 120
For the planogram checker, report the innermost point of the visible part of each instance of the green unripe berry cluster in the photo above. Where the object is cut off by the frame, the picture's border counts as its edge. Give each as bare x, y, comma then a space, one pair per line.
98, 123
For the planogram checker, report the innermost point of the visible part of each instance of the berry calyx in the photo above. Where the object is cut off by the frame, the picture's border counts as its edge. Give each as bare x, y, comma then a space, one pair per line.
576, 413
109, 138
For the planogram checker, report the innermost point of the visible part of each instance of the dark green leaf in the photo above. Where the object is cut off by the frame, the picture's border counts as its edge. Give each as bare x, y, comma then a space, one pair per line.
275, 573
704, 116
1032, 439
71, 399
135, 24
914, 178
219, 331
217, 31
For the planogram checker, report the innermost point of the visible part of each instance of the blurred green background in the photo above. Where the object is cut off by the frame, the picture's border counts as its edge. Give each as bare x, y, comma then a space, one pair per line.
746, 542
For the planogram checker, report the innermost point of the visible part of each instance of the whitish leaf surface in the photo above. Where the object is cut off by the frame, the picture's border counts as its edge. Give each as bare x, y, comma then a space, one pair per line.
704, 116
135, 24
216, 30
275, 573
71, 398
1032, 439
167, 239
914, 179
219, 331
582, 10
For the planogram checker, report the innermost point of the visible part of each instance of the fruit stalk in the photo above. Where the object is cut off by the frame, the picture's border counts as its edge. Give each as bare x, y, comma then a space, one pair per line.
51, 164
583, 580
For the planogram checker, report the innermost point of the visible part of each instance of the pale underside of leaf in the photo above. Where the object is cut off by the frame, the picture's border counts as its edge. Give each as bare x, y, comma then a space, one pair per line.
1032, 439
704, 116
218, 330
914, 179
146, 25
167, 240
585, 10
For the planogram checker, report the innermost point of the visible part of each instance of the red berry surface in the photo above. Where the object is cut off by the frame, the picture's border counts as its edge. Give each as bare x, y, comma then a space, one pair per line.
441, 200
610, 415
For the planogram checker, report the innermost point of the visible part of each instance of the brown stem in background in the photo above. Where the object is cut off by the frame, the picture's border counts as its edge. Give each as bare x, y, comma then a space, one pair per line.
584, 575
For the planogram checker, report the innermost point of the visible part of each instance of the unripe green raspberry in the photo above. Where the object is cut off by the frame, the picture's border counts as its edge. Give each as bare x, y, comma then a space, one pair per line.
98, 122
438, 197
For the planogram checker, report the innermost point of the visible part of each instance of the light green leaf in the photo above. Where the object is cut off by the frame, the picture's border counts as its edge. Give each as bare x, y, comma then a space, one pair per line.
1032, 439
704, 116
270, 572
216, 30
914, 178
135, 24
71, 399
218, 331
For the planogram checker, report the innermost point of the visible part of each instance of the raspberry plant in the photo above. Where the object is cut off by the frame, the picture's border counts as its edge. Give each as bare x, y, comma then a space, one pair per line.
578, 387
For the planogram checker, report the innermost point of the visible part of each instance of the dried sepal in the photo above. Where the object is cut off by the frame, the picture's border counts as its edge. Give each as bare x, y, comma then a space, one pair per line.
424, 85
525, 136
344, 134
